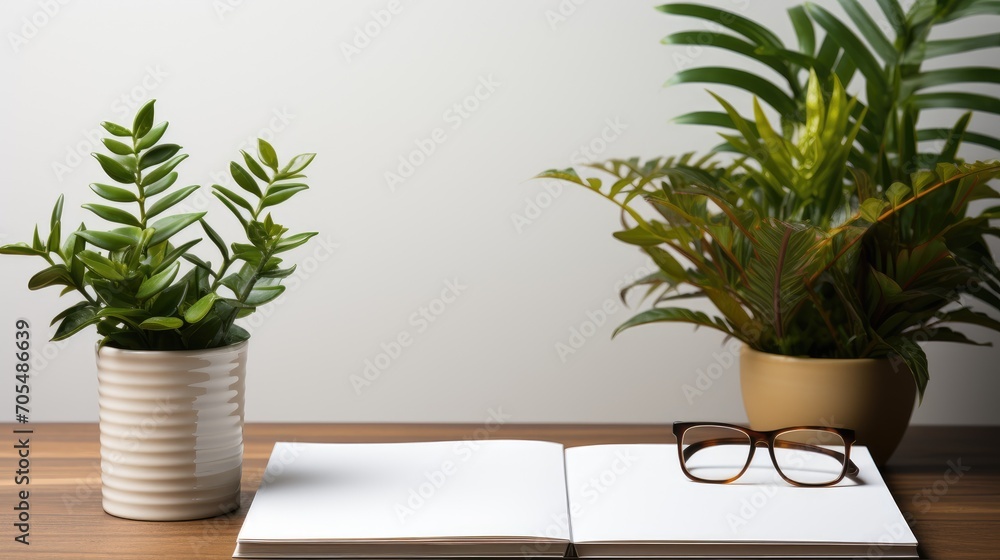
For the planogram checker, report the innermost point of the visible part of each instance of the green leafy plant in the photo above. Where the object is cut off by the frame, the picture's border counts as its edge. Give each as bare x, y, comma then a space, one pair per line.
130, 277
828, 234
891, 69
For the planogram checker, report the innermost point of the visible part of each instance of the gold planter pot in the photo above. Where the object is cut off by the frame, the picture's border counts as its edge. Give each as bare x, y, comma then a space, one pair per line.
874, 397
171, 432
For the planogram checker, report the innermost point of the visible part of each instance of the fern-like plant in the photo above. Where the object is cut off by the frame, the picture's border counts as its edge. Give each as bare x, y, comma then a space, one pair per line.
830, 233
131, 278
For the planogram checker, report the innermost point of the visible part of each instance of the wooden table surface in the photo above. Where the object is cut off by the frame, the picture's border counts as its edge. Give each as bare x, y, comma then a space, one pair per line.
946, 480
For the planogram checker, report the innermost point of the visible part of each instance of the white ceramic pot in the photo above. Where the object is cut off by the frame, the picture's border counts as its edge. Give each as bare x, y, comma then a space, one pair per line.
171, 431
873, 397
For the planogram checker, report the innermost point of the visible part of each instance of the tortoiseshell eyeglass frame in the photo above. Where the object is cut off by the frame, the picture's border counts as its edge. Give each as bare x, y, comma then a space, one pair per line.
767, 439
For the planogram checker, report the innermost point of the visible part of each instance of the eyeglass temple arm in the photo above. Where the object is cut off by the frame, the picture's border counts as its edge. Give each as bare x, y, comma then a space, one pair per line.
693, 448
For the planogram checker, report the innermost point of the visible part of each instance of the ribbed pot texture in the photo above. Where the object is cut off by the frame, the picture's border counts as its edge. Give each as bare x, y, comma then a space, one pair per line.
171, 431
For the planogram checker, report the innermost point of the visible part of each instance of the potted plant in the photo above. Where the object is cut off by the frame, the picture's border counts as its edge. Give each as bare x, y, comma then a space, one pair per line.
833, 241
171, 360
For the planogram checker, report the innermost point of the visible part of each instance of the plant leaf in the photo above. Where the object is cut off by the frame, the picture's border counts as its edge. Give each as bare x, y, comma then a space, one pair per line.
100, 265
244, 179
235, 198
894, 14
173, 255
872, 208
237, 334
267, 155
159, 154
281, 196
170, 200
196, 261
165, 228
75, 322
870, 30
55, 275
112, 214
205, 334
55, 236
152, 137
944, 47
674, 315
297, 164
162, 171
293, 241
143, 121
248, 253
157, 283
260, 295
944, 334
117, 147
279, 272
116, 129
161, 185
852, 46
913, 356
21, 249
161, 324
760, 87
169, 300
114, 194
804, 30
232, 208
216, 239
200, 309
971, 317
68, 311
56, 212
106, 240
746, 27
948, 76
957, 100
896, 193
638, 236
254, 167
115, 169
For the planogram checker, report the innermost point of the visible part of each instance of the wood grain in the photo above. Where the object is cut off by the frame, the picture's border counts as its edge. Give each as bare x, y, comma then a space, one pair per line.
954, 517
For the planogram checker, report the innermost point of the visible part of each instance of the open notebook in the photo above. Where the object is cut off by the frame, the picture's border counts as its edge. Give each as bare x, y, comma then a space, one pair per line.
536, 499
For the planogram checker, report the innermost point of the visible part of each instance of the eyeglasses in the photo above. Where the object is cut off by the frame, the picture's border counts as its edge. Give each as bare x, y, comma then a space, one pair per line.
803, 456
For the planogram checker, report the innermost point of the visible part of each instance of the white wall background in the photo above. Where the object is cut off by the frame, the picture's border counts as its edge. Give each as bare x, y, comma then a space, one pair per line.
226, 71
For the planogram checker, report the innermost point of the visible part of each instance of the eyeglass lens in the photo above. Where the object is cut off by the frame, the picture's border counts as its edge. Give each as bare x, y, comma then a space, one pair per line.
804, 456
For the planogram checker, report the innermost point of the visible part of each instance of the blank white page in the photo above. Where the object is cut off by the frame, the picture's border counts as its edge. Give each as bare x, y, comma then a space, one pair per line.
638, 493
437, 490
